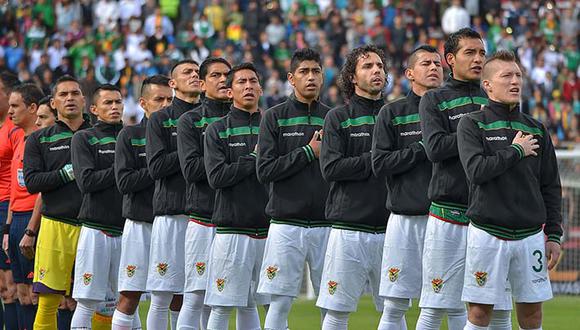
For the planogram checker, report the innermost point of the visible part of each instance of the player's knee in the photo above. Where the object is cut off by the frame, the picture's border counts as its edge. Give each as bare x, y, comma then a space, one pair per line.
335, 320
480, 314
281, 304
398, 304
22, 291
10, 294
176, 302
530, 316
128, 302
500, 320
70, 303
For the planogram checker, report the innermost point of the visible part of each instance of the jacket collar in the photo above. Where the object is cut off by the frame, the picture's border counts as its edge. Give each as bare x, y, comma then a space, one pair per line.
459, 84
372, 106
216, 107
503, 110
144, 122
86, 123
182, 106
414, 98
243, 115
298, 105
108, 128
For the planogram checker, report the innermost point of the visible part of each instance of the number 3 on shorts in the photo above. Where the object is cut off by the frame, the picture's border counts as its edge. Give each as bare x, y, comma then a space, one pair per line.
540, 266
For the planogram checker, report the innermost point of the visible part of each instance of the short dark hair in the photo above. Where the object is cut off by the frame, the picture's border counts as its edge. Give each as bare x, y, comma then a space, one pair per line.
452, 43
500, 55
157, 79
63, 79
30, 93
9, 80
46, 101
103, 87
349, 68
304, 54
188, 61
204, 67
413, 56
240, 67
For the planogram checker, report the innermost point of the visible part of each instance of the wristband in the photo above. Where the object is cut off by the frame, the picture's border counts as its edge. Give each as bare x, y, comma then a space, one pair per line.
29, 232
6, 229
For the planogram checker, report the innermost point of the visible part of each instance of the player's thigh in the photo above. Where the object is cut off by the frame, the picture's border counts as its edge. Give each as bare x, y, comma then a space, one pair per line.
528, 272
486, 268
345, 274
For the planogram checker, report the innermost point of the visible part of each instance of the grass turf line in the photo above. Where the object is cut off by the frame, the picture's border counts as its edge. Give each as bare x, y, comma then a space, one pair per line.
562, 313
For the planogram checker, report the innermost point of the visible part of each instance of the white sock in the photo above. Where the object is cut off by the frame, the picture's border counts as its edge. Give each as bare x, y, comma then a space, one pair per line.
430, 318
190, 314
219, 318
277, 317
500, 320
471, 326
247, 318
456, 318
136, 321
83, 315
205, 317
157, 316
173, 317
393, 313
121, 321
335, 320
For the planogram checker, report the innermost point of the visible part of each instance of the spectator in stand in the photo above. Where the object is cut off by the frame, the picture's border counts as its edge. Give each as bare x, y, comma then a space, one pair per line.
455, 18
544, 36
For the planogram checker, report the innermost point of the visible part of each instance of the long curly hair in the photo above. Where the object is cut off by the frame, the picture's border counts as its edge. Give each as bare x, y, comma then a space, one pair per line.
349, 68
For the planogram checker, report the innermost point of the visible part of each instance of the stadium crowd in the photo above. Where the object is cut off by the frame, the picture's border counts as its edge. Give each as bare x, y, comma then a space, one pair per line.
122, 42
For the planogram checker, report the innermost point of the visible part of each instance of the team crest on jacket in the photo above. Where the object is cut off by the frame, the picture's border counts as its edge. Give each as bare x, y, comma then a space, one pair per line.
87, 278
41, 273
162, 268
200, 267
394, 274
130, 270
332, 286
480, 278
220, 283
271, 272
437, 284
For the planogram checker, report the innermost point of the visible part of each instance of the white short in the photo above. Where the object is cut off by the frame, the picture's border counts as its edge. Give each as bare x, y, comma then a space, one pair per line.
444, 267
402, 256
134, 256
288, 247
167, 257
490, 261
198, 239
96, 264
353, 259
234, 268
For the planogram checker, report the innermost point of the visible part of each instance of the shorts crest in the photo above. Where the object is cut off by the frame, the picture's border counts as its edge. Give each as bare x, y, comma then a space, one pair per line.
332, 286
394, 274
162, 268
437, 284
41, 273
480, 278
220, 283
200, 267
271, 272
130, 270
87, 278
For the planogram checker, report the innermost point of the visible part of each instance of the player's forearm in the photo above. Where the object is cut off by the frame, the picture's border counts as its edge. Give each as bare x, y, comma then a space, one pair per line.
34, 222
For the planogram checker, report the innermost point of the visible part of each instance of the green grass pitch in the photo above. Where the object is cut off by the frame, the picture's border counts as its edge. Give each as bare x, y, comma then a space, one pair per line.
561, 313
